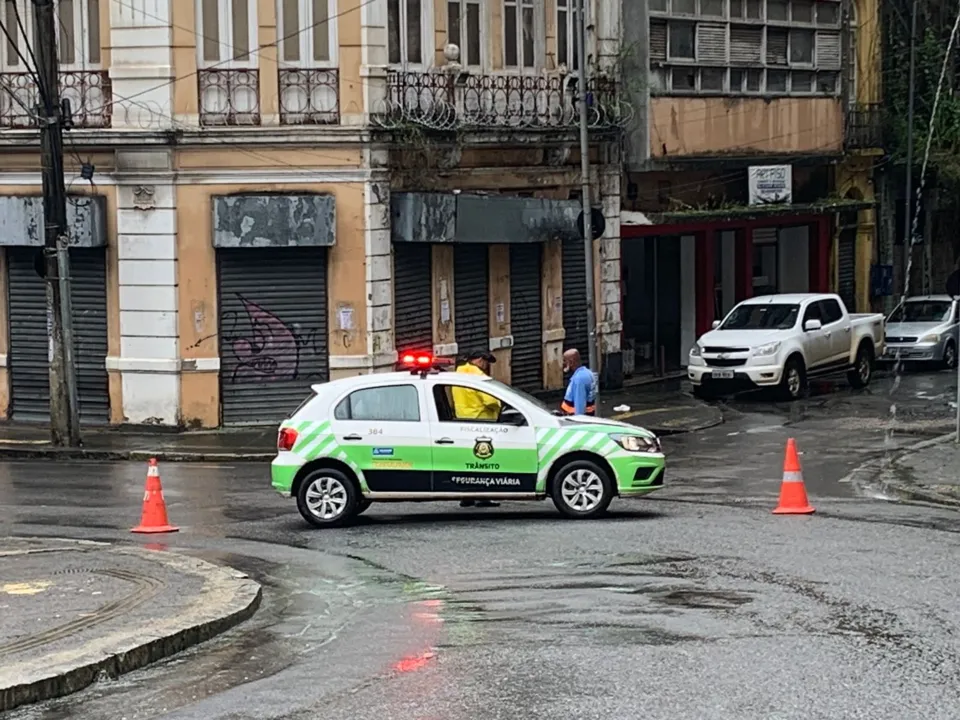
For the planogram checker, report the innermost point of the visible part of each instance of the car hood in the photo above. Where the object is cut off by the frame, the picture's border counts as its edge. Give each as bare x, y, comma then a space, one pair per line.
911, 329
604, 425
739, 338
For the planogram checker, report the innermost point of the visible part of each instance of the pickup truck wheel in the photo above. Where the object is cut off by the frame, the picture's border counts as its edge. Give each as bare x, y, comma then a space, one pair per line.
793, 384
862, 371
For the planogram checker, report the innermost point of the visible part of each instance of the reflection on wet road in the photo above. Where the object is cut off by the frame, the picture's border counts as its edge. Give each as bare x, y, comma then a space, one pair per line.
696, 603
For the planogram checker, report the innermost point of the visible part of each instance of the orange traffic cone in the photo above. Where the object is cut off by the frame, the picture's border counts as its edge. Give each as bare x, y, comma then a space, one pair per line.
153, 519
793, 494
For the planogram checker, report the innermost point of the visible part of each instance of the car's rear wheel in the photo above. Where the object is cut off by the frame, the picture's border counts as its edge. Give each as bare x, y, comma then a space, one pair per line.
327, 498
582, 489
861, 373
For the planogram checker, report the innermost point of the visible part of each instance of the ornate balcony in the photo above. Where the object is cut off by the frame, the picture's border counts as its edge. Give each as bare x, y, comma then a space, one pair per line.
229, 97
87, 90
309, 97
448, 100
864, 127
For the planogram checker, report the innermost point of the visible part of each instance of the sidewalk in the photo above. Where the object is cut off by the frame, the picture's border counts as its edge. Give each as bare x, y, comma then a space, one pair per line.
72, 611
930, 473
663, 409
255, 444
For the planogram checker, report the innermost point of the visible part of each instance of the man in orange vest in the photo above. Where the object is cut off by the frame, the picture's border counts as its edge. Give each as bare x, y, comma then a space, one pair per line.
581, 395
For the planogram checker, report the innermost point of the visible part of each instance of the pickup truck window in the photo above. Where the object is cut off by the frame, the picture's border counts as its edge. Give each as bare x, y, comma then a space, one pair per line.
762, 317
922, 311
813, 312
831, 311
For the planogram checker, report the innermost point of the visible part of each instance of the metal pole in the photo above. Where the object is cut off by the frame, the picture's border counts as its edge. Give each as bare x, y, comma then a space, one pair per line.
907, 224
593, 350
64, 428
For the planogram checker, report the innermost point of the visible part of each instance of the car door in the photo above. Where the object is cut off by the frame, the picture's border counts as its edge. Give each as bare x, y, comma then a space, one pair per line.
815, 343
837, 330
382, 430
480, 456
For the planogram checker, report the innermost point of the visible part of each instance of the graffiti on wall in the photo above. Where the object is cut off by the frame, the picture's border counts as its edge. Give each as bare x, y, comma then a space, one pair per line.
261, 347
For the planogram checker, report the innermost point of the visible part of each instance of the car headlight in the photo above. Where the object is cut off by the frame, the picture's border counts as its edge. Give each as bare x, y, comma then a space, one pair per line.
931, 338
638, 443
766, 350
695, 351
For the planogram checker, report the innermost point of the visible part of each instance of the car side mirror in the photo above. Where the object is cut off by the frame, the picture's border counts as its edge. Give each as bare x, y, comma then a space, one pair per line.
812, 325
715, 324
512, 417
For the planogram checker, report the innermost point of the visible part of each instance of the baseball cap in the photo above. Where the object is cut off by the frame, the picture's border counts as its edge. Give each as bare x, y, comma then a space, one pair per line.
481, 355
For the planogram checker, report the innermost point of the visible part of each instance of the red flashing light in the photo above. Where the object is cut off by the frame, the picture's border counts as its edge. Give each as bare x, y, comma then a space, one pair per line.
417, 360
286, 438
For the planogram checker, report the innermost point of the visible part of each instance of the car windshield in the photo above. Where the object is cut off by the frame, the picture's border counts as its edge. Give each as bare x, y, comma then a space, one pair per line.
536, 402
761, 317
922, 311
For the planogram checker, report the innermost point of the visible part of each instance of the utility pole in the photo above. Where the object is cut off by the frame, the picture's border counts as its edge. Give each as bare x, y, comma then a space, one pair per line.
594, 351
64, 415
908, 204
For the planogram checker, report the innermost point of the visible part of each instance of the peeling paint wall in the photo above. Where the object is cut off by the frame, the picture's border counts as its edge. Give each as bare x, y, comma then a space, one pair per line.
274, 221
21, 221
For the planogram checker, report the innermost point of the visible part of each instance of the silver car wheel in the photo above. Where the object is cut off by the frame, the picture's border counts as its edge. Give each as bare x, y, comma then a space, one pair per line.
582, 490
950, 356
863, 368
793, 382
326, 497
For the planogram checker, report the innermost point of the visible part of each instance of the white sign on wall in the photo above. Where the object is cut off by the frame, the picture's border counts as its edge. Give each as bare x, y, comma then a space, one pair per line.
770, 184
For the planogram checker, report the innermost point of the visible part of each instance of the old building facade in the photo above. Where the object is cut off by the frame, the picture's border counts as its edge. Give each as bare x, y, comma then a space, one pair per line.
750, 162
268, 194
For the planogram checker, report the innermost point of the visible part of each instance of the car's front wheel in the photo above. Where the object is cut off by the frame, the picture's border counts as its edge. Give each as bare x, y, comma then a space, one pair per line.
327, 498
793, 384
949, 361
582, 489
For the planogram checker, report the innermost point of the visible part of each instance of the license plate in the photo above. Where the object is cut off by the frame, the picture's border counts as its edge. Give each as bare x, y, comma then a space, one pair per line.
722, 374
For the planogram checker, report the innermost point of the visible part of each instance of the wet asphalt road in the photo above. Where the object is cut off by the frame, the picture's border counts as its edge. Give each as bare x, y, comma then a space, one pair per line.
695, 603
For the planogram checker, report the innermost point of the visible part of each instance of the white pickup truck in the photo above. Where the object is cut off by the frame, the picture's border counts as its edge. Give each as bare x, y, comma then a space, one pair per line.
782, 340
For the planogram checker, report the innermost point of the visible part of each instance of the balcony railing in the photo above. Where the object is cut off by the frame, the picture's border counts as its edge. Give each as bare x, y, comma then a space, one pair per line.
87, 90
864, 127
309, 97
229, 97
443, 100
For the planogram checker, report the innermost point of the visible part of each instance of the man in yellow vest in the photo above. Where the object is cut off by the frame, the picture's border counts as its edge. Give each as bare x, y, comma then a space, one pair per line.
470, 404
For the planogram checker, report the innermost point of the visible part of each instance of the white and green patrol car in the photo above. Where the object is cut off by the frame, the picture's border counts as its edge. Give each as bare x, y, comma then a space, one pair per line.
396, 437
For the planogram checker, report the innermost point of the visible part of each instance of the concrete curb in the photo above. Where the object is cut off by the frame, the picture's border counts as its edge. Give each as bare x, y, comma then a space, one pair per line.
228, 598
32, 452
871, 474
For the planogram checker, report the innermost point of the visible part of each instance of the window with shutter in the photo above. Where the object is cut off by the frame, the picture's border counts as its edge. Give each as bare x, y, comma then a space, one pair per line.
711, 43
828, 50
777, 41
746, 45
658, 41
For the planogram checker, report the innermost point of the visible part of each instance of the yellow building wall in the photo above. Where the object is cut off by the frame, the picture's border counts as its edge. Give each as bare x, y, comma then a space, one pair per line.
199, 314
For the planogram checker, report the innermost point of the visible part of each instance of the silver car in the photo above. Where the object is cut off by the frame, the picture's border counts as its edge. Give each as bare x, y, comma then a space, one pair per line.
924, 329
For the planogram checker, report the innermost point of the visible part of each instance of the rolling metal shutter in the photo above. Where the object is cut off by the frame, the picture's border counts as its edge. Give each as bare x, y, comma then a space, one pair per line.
574, 271
30, 341
526, 317
471, 297
273, 330
412, 297
847, 269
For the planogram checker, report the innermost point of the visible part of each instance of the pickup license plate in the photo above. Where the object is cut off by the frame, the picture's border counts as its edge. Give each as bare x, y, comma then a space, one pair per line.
722, 374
